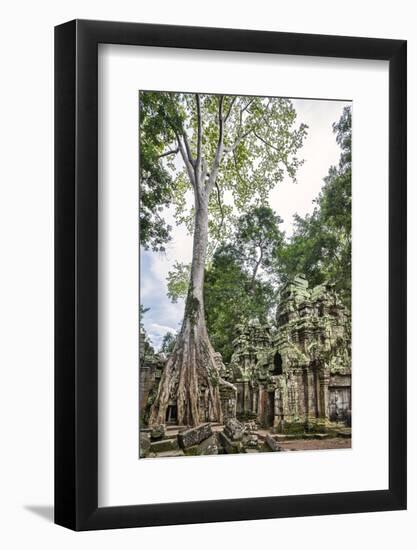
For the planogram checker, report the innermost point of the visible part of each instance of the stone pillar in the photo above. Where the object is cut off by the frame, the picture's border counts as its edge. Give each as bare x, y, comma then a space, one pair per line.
278, 423
307, 394
324, 378
247, 406
254, 401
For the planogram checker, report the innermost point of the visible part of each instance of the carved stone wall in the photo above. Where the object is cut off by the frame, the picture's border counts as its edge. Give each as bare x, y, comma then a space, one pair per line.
297, 376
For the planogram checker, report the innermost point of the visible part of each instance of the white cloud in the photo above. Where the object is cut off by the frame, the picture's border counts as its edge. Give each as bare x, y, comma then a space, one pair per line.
157, 332
161, 329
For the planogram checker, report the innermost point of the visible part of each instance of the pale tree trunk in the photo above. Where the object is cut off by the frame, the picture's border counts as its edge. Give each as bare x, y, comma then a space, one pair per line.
191, 378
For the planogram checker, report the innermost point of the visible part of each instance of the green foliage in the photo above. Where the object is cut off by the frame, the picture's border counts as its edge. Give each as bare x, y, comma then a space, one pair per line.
230, 297
258, 240
260, 145
148, 348
321, 245
192, 308
155, 180
168, 343
142, 311
240, 282
178, 281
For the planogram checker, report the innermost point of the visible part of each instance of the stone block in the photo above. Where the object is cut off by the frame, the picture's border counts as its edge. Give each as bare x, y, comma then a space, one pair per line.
209, 446
157, 432
164, 445
144, 444
194, 436
234, 430
250, 440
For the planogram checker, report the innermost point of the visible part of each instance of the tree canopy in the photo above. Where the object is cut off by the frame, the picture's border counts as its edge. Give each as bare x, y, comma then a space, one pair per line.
232, 145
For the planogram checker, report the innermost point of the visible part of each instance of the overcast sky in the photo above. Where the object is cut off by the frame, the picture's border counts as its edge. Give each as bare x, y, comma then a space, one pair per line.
319, 151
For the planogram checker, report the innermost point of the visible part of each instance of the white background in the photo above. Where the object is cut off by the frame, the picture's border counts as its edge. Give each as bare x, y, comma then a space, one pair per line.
26, 399
123, 479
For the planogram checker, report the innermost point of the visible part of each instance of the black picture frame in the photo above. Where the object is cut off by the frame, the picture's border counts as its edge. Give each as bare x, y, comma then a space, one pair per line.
76, 272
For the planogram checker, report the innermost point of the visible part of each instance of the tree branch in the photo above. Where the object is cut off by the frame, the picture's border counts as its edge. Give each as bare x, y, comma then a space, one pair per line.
187, 163
245, 108
221, 120
266, 142
171, 152
241, 137
220, 204
219, 151
237, 169
238, 141
258, 263
229, 110
199, 130
187, 147
184, 137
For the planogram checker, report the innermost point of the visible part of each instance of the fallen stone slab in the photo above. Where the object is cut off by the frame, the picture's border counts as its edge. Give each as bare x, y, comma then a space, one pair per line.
164, 445
209, 446
194, 436
272, 443
229, 446
174, 428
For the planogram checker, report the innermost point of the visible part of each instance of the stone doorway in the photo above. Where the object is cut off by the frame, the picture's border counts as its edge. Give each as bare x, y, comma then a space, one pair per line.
171, 414
277, 364
339, 403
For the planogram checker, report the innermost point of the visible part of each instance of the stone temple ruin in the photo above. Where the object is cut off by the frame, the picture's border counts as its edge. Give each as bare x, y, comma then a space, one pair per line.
288, 384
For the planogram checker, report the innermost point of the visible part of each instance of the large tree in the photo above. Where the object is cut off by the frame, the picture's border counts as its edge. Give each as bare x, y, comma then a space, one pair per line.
240, 145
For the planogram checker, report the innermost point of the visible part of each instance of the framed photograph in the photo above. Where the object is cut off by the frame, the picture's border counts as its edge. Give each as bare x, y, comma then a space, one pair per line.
230, 254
